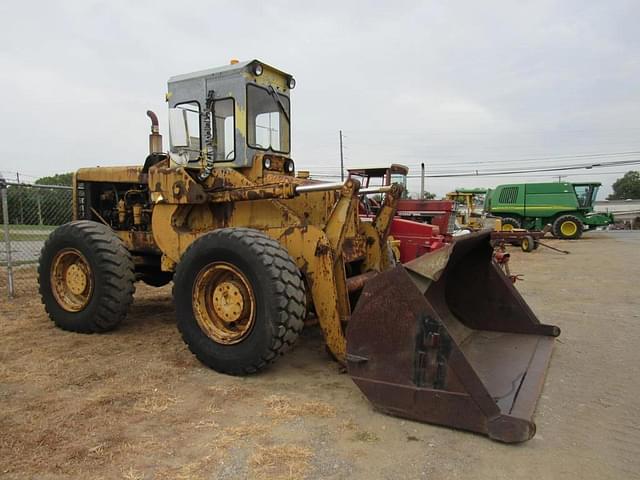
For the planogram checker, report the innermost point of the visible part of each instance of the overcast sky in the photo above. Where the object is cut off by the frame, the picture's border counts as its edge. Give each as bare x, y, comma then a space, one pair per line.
458, 85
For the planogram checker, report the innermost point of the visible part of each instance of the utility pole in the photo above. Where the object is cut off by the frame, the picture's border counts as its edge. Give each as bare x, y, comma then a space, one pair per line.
422, 181
341, 159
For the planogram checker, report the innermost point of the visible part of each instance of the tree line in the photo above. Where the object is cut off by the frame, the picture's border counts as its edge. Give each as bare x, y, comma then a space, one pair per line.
40, 206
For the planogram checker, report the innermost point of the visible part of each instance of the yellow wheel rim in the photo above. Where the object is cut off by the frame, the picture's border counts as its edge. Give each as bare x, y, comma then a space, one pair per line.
525, 244
568, 228
507, 227
223, 303
71, 280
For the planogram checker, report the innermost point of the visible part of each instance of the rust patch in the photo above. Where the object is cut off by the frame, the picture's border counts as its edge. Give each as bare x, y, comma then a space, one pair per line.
178, 189
322, 249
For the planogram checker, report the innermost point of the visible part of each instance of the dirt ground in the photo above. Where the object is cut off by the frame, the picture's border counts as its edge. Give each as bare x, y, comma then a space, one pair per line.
135, 404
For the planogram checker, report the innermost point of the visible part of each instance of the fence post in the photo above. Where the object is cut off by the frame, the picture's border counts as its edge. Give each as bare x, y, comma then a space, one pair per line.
39, 207
7, 238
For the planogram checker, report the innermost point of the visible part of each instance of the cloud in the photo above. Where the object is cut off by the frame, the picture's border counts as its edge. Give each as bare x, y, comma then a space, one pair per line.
438, 82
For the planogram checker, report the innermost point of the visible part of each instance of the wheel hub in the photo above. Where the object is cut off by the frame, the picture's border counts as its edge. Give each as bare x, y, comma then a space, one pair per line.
228, 302
76, 279
71, 280
568, 228
224, 304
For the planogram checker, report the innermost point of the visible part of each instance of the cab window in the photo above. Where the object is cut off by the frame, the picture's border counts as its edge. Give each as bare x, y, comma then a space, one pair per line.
184, 127
267, 119
225, 126
584, 195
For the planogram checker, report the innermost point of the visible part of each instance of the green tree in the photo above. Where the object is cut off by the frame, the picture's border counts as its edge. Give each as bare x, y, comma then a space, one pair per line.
427, 196
57, 179
626, 187
30, 205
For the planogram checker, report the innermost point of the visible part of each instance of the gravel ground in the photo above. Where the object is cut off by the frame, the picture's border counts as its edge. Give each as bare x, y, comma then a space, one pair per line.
135, 404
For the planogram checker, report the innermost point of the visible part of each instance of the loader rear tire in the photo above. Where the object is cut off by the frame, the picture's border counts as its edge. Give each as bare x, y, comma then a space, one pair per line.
510, 223
85, 277
240, 300
567, 227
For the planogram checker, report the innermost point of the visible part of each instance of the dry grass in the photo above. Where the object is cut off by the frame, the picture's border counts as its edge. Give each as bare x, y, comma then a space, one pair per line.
281, 407
131, 404
280, 462
230, 392
365, 436
217, 450
155, 402
244, 433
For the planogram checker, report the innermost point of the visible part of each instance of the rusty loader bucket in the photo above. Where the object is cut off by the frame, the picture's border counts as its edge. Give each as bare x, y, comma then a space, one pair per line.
447, 339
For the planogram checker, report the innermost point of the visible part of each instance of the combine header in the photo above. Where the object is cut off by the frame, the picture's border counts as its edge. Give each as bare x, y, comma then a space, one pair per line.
251, 249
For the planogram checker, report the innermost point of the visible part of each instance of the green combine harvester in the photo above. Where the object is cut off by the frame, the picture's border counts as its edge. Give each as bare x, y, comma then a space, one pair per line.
568, 207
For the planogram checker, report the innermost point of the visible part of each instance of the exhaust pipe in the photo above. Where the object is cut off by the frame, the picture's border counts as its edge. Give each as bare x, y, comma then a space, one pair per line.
155, 139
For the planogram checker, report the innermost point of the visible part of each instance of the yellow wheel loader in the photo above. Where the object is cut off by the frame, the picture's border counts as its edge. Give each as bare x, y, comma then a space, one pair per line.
253, 250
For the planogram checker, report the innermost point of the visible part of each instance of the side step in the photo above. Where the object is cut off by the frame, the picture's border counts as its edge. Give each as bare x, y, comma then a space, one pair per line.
447, 339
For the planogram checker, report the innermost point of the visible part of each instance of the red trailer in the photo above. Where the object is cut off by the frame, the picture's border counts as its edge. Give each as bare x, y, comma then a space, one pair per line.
435, 212
419, 225
415, 238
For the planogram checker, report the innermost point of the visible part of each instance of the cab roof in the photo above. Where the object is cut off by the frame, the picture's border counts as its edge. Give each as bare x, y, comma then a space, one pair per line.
230, 68
394, 168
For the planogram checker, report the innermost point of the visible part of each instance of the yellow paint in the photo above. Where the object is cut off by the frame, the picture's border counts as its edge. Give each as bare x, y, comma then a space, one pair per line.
321, 231
568, 228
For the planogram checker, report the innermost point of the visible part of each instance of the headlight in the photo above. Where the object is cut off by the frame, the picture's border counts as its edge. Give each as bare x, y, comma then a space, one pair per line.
292, 83
289, 166
257, 69
266, 162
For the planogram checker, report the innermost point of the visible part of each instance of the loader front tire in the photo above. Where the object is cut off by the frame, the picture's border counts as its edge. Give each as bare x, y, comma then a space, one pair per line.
85, 277
240, 300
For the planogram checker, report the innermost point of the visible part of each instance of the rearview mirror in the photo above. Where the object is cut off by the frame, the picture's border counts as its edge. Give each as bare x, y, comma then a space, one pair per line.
178, 129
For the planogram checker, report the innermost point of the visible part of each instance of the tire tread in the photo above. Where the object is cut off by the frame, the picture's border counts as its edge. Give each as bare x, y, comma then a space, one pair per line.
284, 274
113, 260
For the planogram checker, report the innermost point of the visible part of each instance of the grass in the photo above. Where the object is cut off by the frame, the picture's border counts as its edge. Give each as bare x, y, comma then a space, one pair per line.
19, 233
17, 263
31, 227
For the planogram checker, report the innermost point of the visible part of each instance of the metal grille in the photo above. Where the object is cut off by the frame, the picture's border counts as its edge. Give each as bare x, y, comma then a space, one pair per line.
508, 195
29, 214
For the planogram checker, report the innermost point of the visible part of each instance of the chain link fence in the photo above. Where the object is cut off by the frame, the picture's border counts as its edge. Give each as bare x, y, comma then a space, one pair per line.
29, 213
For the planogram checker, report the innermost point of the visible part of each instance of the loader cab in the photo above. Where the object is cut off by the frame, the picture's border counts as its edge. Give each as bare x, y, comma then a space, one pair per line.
229, 115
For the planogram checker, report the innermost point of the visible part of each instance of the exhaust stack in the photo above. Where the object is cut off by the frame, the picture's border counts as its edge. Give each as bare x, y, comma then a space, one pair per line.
155, 139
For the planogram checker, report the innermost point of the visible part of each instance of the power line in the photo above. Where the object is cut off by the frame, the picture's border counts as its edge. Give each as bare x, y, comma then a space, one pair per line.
612, 155
478, 173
